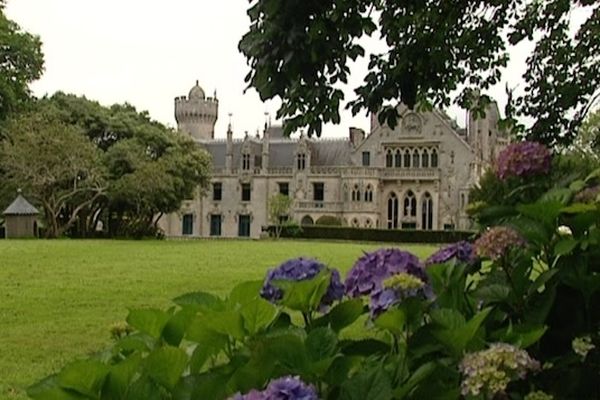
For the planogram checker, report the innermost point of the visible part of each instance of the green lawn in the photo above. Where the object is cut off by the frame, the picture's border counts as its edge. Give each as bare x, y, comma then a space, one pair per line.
59, 298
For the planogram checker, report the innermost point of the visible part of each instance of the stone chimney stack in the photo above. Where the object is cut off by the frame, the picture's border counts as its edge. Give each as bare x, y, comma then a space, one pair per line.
356, 136
229, 147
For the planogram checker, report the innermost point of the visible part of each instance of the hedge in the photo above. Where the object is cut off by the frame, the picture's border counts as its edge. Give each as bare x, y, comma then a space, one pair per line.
375, 235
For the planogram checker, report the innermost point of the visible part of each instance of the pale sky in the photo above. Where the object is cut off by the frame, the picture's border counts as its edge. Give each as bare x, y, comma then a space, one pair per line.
146, 52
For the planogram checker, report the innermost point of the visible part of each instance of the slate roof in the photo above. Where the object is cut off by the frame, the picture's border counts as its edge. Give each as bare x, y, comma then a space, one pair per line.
330, 152
21, 207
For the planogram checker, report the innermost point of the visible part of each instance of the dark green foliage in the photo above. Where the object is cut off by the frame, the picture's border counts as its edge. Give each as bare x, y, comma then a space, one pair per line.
377, 235
21, 63
301, 52
328, 220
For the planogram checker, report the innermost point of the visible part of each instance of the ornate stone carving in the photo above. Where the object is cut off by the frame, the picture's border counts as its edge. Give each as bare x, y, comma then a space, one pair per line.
411, 124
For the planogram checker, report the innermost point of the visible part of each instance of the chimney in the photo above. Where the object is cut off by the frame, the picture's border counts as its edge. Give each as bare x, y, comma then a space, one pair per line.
356, 136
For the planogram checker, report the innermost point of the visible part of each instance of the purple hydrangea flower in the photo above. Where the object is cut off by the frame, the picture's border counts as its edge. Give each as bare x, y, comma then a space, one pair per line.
463, 252
300, 269
523, 159
285, 388
367, 277
497, 241
290, 388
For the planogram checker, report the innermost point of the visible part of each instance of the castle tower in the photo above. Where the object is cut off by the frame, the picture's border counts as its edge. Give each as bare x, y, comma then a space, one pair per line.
197, 114
484, 137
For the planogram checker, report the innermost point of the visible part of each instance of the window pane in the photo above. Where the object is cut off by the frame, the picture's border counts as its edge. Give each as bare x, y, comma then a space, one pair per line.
284, 188
187, 224
217, 191
246, 192
366, 158
318, 191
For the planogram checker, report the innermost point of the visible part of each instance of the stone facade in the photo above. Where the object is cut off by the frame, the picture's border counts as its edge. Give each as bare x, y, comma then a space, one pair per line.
415, 176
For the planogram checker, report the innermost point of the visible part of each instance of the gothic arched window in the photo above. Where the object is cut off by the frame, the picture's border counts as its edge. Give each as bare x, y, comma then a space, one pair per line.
427, 212
369, 194
355, 193
434, 158
406, 158
398, 159
410, 204
425, 159
245, 161
301, 161
416, 161
389, 159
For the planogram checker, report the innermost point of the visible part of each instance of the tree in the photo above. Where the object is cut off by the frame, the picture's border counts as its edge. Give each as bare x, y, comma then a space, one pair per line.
151, 168
279, 210
300, 51
21, 62
589, 134
55, 164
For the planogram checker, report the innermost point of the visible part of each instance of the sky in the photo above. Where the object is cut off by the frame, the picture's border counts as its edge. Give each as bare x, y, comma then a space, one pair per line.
147, 52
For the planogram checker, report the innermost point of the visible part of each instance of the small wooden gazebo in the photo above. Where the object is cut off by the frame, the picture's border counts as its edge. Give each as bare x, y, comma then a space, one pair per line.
20, 219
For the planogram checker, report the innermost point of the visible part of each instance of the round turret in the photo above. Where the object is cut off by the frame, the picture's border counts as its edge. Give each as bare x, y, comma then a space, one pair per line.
197, 114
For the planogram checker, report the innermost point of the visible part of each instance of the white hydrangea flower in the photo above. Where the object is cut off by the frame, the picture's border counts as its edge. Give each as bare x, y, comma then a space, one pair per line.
564, 230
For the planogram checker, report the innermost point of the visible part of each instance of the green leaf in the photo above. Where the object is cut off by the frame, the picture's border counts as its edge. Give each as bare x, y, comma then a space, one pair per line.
422, 373
306, 295
364, 347
392, 320
165, 365
258, 314
85, 377
175, 328
342, 315
120, 377
199, 300
493, 293
144, 389
244, 292
555, 197
524, 336
456, 339
374, 384
226, 322
149, 321
321, 343
448, 318
48, 389
565, 246
579, 208
210, 343
541, 280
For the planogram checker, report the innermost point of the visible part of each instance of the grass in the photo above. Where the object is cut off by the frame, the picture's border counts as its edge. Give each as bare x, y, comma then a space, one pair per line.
59, 298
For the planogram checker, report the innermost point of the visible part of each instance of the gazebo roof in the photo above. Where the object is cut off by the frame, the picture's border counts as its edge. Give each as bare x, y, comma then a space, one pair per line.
20, 207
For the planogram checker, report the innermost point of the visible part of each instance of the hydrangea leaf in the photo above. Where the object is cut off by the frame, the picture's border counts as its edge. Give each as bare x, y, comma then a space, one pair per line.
373, 384
199, 300
210, 343
321, 343
244, 292
174, 329
306, 295
85, 377
144, 388
149, 321
228, 322
120, 377
48, 389
457, 338
420, 374
165, 365
258, 314
342, 315
392, 320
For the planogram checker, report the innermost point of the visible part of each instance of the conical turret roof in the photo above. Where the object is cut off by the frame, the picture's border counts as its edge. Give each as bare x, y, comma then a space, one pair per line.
20, 206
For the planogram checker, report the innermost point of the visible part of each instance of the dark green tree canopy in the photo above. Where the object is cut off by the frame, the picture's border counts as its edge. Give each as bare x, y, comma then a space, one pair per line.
21, 62
300, 51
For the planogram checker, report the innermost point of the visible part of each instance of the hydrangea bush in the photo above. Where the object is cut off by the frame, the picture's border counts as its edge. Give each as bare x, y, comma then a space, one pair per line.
513, 314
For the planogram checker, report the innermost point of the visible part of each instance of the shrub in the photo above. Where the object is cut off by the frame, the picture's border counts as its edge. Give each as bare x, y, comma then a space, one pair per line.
329, 220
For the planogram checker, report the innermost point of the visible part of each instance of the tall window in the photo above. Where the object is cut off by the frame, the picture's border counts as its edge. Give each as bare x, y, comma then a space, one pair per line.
366, 158
392, 222
355, 193
416, 159
284, 188
187, 225
434, 158
406, 158
301, 161
410, 204
215, 225
425, 159
369, 194
245, 162
246, 192
217, 191
398, 159
244, 225
318, 191
389, 159
427, 212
